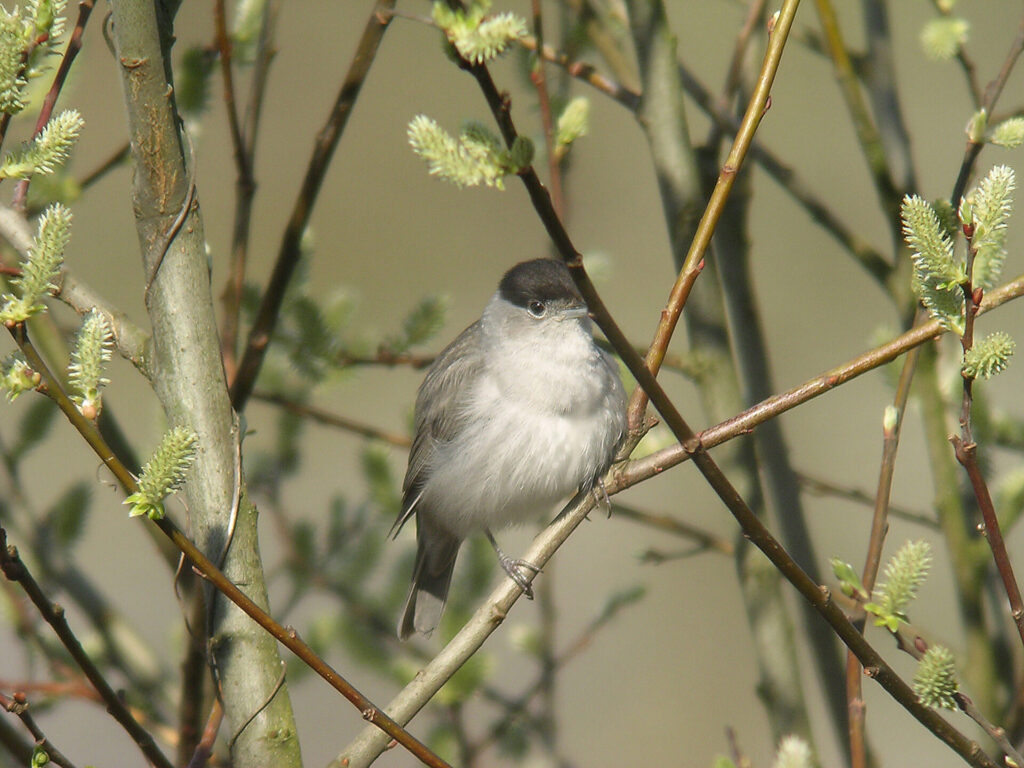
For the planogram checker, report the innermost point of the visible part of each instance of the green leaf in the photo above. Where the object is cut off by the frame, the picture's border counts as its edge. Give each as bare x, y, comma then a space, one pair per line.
937, 276
41, 266
989, 356
163, 473
474, 158
991, 204
1009, 133
935, 680
849, 581
942, 37
17, 377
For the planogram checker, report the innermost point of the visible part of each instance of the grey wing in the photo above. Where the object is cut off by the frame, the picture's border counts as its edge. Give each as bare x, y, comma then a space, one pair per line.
438, 405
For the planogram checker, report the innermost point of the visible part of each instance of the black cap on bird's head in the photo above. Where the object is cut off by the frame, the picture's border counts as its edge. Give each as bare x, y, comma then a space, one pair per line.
543, 280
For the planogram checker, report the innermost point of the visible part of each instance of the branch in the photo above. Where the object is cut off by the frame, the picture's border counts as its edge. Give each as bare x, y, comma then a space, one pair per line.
655, 463
74, 46
286, 636
290, 251
879, 527
14, 569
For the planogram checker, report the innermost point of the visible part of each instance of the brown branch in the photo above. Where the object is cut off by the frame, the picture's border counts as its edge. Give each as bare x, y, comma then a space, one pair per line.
826, 488
286, 636
290, 251
46, 110
753, 528
692, 264
18, 705
243, 140
669, 524
992, 93
640, 469
14, 569
327, 418
879, 527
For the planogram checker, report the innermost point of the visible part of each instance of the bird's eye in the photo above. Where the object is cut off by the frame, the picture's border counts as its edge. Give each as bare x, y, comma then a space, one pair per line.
536, 308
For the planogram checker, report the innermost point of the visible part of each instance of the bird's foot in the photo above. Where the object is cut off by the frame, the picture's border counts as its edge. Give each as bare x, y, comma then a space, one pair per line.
515, 568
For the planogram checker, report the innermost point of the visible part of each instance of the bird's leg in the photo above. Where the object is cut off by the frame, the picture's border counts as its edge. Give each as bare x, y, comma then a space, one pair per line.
601, 495
512, 567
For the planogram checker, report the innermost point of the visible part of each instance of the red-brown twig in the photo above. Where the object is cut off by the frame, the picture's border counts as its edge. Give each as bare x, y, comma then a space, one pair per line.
693, 262
992, 93
321, 416
243, 141
74, 46
290, 251
967, 453
285, 635
14, 569
691, 443
879, 527
17, 705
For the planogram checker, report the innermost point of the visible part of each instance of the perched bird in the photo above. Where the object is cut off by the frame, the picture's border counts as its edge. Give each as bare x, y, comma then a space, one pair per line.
517, 413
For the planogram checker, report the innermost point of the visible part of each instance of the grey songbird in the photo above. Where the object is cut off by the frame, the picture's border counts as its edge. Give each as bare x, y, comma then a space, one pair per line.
516, 414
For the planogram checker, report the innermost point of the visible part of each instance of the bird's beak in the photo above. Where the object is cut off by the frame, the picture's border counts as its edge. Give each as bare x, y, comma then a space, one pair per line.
574, 313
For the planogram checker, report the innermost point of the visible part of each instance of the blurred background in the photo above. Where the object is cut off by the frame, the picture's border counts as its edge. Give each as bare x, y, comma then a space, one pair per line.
663, 681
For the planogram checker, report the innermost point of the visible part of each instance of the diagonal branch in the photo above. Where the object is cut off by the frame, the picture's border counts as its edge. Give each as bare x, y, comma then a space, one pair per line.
289, 252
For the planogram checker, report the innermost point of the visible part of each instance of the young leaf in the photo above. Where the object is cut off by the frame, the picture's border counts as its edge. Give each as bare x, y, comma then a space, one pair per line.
46, 151
942, 37
990, 208
40, 267
937, 276
16, 376
989, 356
88, 359
163, 473
935, 679
904, 573
474, 158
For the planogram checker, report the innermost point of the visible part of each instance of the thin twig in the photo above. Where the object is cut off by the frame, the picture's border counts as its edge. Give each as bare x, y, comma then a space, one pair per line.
243, 139
743, 423
692, 264
669, 524
490, 614
286, 636
867, 132
826, 488
46, 110
14, 569
992, 93
869, 257
879, 527
327, 418
205, 746
18, 705
290, 250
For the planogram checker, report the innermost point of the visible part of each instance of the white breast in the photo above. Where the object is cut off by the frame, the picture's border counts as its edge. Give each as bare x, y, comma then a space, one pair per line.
539, 430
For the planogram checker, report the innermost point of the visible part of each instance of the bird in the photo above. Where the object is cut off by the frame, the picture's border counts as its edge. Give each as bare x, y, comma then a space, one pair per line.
521, 410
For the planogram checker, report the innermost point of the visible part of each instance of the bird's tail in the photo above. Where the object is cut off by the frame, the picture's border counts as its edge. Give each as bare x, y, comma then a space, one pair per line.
435, 562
